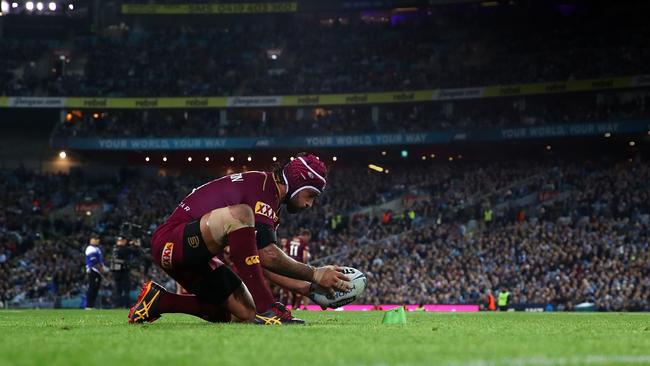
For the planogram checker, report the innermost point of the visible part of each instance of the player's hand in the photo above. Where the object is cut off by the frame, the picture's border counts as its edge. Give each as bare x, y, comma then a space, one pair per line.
331, 277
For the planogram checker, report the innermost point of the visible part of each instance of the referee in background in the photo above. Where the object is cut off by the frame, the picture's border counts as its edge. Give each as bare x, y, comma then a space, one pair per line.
94, 267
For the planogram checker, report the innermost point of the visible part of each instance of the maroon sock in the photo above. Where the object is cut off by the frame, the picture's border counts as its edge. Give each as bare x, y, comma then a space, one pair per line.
190, 304
244, 255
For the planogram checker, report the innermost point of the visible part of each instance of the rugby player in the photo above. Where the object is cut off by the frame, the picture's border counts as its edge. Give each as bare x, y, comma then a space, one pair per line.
240, 211
298, 249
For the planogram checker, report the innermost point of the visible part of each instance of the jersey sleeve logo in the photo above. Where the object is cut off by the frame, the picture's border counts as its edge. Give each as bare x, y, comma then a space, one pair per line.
166, 257
193, 241
264, 209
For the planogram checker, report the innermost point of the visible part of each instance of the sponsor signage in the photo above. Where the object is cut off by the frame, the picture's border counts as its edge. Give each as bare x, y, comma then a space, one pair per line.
210, 8
401, 139
414, 96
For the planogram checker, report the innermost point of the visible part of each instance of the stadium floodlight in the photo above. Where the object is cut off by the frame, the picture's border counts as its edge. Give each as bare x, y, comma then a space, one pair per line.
14, 5
63, 155
4, 6
207, 158
405, 153
51, 6
39, 6
451, 158
376, 168
164, 158
424, 157
250, 158
632, 143
71, 6
334, 158
383, 153
232, 158
189, 158
147, 159
275, 158
29, 6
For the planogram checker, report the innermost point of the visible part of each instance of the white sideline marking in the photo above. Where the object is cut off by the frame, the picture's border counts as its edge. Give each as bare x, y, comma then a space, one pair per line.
548, 361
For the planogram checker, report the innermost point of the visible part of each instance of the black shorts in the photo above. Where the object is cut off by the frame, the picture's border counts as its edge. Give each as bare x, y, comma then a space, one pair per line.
179, 249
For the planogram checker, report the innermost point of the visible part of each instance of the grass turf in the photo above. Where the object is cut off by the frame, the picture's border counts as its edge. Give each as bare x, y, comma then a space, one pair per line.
102, 337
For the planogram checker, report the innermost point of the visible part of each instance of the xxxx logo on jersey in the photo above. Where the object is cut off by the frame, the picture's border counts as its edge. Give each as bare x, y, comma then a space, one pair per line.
166, 257
264, 209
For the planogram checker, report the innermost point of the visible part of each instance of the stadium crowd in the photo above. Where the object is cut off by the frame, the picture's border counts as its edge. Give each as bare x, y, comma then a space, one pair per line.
366, 52
46, 222
423, 117
552, 233
589, 245
582, 237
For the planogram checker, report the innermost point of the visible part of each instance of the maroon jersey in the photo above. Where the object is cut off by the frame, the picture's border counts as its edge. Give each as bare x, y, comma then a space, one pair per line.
296, 248
256, 189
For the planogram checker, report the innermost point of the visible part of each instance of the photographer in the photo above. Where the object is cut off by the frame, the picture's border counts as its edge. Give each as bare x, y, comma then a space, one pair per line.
124, 254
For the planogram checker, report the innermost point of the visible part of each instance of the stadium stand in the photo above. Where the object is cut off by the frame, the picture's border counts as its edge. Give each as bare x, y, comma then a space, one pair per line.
584, 239
348, 53
422, 117
556, 231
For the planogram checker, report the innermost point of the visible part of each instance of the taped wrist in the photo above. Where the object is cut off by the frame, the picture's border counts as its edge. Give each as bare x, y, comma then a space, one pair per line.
318, 274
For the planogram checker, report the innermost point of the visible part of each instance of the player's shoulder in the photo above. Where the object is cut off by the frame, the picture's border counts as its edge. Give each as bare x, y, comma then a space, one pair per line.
263, 183
251, 176
256, 175
263, 194
91, 250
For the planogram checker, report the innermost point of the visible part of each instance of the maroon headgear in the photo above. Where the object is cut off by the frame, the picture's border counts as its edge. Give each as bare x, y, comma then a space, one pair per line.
304, 172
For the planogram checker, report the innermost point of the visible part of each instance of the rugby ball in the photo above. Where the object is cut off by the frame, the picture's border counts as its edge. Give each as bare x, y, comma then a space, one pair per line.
326, 299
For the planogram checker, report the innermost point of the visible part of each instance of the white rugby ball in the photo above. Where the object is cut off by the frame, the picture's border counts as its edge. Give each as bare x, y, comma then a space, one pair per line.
325, 299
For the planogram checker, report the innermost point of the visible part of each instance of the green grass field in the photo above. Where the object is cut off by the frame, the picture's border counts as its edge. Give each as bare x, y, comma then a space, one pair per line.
102, 337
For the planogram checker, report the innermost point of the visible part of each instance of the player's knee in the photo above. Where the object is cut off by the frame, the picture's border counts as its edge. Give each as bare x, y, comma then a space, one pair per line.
248, 310
249, 314
243, 213
241, 304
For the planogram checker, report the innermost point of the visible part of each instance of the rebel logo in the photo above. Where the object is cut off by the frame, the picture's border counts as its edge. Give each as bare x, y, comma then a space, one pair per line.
166, 258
